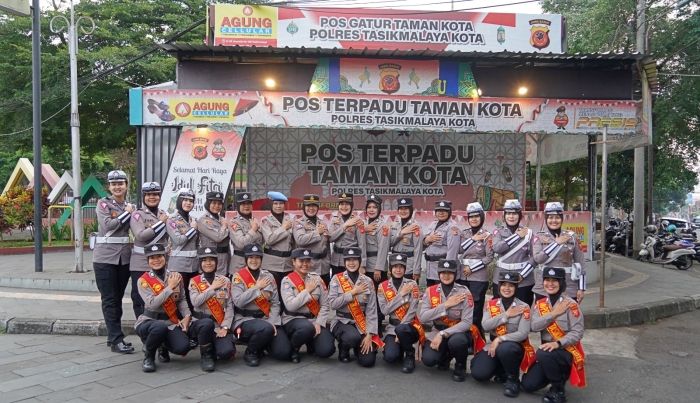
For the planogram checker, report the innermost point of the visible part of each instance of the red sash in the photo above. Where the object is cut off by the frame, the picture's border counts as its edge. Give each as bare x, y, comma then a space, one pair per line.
401, 311
578, 370
213, 304
249, 282
436, 299
313, 305
356, 310
157, 287
529, 358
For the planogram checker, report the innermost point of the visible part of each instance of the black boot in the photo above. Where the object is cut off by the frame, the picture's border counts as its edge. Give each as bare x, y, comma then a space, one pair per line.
163, 354
344, 356
409, 363
149, 361
556, 394
458, 375
444, 364
310, 350
512, 386
207, 357
500, 377
251, 358
295, 358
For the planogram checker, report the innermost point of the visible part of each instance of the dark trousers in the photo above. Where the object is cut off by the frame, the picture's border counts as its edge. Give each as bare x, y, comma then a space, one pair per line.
260, 335
407, 336
224, 347
430, 282
112, 280
136, 299
337, 269
302, 331
155, 333
522, 293
326, 278
383, 278
350, 338
478, 290
279, 276
551, 366
186, 277
455, 346
509, 355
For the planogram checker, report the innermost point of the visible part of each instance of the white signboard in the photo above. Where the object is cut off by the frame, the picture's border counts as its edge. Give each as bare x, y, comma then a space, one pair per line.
17, 7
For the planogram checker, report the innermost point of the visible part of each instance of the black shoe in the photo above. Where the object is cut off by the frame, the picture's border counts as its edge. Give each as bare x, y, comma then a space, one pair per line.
459, 375
126, 343
193, 344
310, 350
122, 348
207, 357
500, 378
163, 354
444, 364
149, 362
344, 356
470, 350
409, 363
295, 358
512, 386
251, 358
556, 394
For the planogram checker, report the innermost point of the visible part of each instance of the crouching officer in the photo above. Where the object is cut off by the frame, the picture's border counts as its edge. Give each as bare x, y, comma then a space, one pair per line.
560, 322
305, 309
508, 320
450, 307
257, 308
404, 328
166, 318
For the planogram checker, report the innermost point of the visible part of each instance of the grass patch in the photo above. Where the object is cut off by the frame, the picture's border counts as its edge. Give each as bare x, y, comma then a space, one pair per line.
25, 243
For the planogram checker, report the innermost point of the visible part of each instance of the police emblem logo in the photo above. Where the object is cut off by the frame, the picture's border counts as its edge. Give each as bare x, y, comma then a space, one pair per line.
113, 215
351, 252
245, 196
306, 253
551, 272
507, 276
457, 312
207, 250
218, 195
311, 198
442, 204
344, 195
103, 205
539, 37
154, 248
399, 257
389, 78
372, 197
403, 201
199, 148
202, 286
143, 283
446, 264
255, 248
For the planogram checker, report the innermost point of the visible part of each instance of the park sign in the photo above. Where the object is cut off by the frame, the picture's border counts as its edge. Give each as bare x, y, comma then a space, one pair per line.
17, 7
357, 28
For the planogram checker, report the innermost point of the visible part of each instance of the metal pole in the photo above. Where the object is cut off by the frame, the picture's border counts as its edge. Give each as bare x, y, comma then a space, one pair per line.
603, 203
36, 123
637, 235
75, 142
538, 184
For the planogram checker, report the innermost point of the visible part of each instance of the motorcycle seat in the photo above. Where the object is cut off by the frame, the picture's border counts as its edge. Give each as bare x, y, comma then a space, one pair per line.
672, 247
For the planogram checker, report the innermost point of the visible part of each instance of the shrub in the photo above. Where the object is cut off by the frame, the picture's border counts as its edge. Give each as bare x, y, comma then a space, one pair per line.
17, 206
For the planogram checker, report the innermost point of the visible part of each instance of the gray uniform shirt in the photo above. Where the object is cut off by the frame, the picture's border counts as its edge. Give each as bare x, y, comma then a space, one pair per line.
410, 302
352, 237
463, 312
295, 301
199, 300
214, 235
154, 302
479, 255
339, 300
570, 322
518, 327
108, 212
244, 298
183, 238
503, 241
445, 248
376, 247
570, 253
241, 235
410, 244
306, 236
142, 224
279, 239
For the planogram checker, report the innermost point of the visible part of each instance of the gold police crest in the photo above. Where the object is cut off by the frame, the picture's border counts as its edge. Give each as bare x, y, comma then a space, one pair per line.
199, 148
539, 30
389, 77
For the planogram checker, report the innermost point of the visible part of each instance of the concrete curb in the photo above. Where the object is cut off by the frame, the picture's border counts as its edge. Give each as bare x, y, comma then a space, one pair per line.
640, 314
60, 326
51, 284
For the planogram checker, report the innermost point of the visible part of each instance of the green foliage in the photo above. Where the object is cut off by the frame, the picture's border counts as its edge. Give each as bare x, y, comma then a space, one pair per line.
89, 226
17, 204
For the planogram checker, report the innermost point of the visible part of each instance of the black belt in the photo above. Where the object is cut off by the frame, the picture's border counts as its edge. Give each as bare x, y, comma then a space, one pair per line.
394, 322
238, 253
158, 315
222, 249
345, 315
341, 250
319, 255
408, 254
373, 254
307, 315
278, 253
440, 327
435, 258
202, 315
249, 313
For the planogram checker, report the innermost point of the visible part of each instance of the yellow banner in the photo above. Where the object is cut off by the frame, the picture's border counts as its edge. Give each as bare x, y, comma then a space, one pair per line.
237, 22
203, 109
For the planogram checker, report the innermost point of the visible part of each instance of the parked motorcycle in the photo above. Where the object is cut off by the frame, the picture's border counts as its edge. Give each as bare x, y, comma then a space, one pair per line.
670, 251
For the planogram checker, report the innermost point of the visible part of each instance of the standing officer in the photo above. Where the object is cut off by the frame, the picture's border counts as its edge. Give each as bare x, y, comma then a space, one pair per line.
257, 307
182, 230
449, 306
305, 309
555, 247
277, 234
513, 244
405, 237
347, 231
476, 254
213, 231
110, 259
148, 226
311, 232
441, 241
376, 245
245, 230
398, 298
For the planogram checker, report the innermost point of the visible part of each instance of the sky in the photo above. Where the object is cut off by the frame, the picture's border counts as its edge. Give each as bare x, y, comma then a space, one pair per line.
434, 5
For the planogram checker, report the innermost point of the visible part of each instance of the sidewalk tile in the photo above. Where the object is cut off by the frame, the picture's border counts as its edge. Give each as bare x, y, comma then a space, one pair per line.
27, 381
26, 393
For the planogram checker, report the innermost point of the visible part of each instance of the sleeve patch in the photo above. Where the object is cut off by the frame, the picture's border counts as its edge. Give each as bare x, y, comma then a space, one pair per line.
385, 231
495, 232
300, 226
526, 313
173, 225
415, 291
535, 239
208, 223
574, 310
137, 217
234, 225
286, 286
103, 205
470, 299
237, 279
455, 231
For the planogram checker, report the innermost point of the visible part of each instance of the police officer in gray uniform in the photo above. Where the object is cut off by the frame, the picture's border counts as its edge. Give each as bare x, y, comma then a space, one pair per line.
556, 247
277, 234
513, 243
346, 231
182, 230
451, 338
111, 255
213, 231
405, 236
311, 232
376, 245
148, 226
244, 230
476, 255
442, 241
344, 328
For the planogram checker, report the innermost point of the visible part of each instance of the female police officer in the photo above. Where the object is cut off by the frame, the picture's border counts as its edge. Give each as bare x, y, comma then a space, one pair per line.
276, 230
405, 237
182, 230
213, 230
347, 230
441, 240
244, 230
311, 232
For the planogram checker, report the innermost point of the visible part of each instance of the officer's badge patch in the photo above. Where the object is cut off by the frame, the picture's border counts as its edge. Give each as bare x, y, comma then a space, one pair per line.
143, 283
149, 225
545, 240
455, 231
176, 296
470, 299
236, 279
415, 291
208, 223
495, 232
103, 205
351, 230
234, 226
385, 231
457, 313
416, 232
361, 227
405, 240
286, 286
180, 223
434, 300
113, 215
173, 225
526, 313
574, 310
202, 286
137, 216
300, 226
535, 239
222, 295
268, 295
